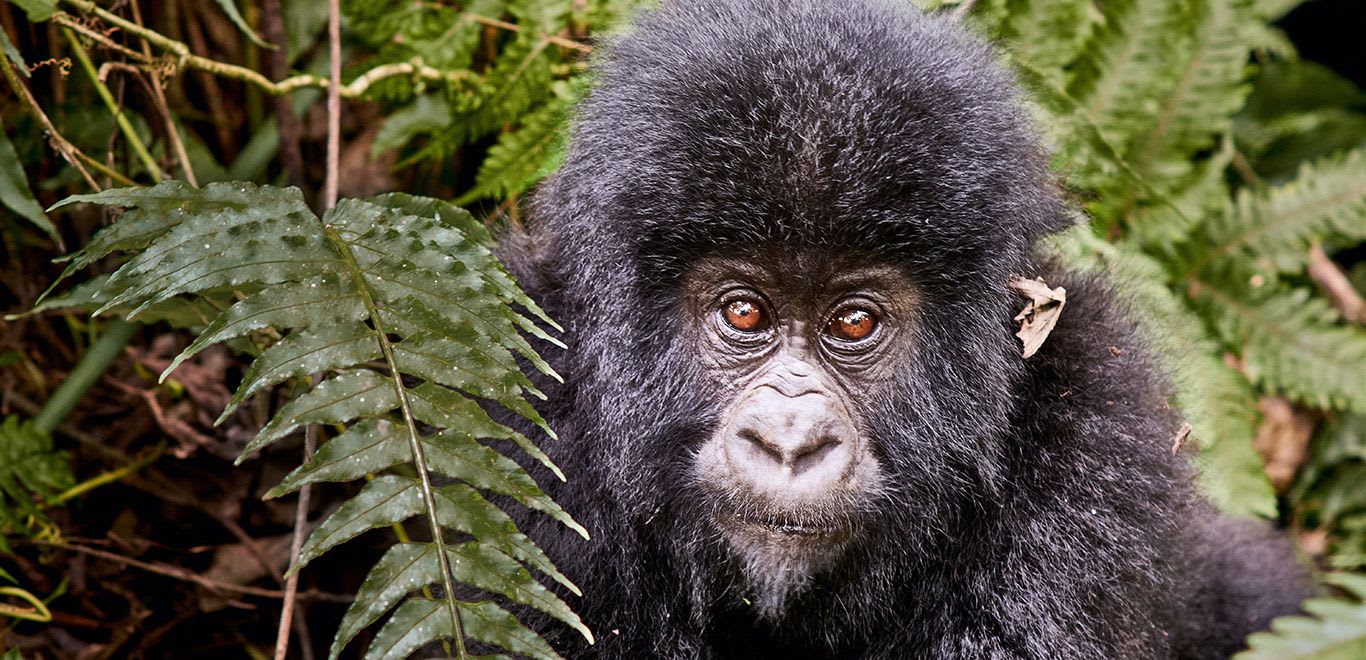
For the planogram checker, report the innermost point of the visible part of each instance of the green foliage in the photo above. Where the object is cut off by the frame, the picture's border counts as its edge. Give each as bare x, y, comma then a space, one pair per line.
398, 308
1329, 488
1335, 628
519, 61
29, 469
14, 190
38, 10
523, 156
1159, 122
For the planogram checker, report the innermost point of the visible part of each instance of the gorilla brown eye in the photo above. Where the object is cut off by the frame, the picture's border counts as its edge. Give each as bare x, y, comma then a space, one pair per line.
745, 315
852, 324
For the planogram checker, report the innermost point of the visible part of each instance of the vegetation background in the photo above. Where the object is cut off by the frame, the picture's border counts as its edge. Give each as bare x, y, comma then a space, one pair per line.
1217, 148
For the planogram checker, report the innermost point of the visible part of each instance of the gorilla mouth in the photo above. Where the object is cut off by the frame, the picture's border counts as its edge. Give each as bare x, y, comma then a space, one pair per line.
786, 529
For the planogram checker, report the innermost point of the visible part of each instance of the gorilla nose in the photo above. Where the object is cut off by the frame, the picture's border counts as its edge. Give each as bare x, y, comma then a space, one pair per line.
787, 446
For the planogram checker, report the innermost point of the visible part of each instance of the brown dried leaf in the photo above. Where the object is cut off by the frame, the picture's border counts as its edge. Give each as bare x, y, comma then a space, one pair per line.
1179, 440
1282, 439
1038, 317
238, 564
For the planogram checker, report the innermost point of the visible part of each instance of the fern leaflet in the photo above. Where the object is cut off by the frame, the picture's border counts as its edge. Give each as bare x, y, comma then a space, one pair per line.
400, 307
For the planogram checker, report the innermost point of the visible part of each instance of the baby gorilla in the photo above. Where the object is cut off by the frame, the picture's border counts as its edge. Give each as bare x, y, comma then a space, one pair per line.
795, 417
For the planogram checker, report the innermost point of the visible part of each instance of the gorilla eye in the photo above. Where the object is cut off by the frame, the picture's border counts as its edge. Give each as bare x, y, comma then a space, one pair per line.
745, 315
852, 324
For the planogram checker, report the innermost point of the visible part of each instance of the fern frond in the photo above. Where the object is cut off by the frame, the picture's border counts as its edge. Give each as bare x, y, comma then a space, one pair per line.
1210, 88
1201, 193
1326, 200
1133, 57
1290, 341
519, 79
525, 155
400, 307
1048, 34
1335, 628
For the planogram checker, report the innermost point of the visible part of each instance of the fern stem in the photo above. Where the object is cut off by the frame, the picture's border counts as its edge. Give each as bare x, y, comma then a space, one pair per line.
414, 441
125, 126
110, 344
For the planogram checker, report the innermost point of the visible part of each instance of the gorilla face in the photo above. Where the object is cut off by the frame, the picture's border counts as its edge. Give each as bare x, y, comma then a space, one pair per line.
791, 343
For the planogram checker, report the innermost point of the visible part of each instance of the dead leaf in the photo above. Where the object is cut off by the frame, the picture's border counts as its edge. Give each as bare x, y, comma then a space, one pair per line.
238, 564
1038, 317
1180, 438
1282, 439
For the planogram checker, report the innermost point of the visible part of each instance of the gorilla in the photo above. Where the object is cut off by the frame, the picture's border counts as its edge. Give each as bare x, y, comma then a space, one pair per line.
794, 414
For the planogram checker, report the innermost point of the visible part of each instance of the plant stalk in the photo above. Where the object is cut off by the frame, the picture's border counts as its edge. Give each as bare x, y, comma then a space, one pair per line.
93, 365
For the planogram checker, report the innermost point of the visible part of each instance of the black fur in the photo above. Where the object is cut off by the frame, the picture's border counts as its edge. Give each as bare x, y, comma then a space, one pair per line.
1033, 508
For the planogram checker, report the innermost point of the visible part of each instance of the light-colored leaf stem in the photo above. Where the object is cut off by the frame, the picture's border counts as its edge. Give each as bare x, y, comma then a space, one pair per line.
129, 133
413, 68
414, 437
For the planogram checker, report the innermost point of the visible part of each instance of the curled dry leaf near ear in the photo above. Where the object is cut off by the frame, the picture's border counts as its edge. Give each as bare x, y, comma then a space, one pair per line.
1040, 315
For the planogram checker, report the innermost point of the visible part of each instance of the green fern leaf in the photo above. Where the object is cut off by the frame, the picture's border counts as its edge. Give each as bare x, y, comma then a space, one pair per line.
520, 78
1201, 193
419, 620
1211, 86
524, 156
485, 567
1326, 200
458, 456
1048, 34
489, 623
1335, 628
1132, 58
399, 308
392, 499
416, 623
367, 446
1289, 340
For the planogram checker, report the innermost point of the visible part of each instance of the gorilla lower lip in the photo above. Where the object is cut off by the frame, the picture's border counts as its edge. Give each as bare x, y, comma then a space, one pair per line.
791, 528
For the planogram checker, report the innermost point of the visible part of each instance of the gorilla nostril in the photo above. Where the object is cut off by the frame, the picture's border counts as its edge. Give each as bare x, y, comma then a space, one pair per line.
813, 454
764, 447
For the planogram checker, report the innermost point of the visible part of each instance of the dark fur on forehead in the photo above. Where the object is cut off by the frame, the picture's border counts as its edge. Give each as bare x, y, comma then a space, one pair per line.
825, 124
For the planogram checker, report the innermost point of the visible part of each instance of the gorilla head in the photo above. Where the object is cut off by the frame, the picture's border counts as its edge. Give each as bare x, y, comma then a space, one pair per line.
795, 414
791, 255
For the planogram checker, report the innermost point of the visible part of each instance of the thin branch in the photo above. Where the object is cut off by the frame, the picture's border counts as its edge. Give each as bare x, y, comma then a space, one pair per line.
333, 104
68, 21
1245, 170
159, 95
273, 29
69, 152
513, 27
182, 574
125, 126
1335, 284
414, 68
